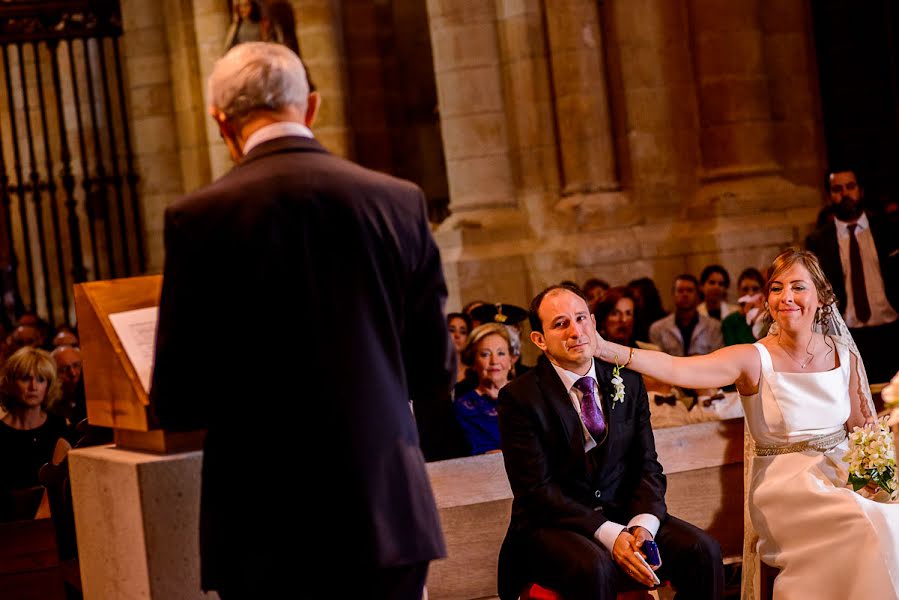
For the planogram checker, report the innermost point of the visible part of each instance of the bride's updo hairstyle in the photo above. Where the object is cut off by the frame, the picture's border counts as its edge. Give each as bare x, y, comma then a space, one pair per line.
793, 256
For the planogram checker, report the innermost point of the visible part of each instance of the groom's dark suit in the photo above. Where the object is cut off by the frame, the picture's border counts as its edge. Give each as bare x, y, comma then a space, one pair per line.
563, 495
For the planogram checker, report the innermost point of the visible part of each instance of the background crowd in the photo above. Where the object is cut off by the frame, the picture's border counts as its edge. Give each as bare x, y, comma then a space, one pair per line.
42, 403
707, 315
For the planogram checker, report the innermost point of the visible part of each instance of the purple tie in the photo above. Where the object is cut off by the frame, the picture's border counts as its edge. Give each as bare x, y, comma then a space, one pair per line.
590, 413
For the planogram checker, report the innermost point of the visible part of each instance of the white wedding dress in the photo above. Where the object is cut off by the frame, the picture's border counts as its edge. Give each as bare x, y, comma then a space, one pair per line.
829, 542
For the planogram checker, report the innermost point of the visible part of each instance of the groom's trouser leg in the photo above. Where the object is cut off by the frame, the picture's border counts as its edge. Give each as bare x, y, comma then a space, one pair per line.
691, 560
577, 567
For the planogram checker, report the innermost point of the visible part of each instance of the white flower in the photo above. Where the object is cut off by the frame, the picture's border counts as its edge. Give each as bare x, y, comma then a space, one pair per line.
618, 386
872, 457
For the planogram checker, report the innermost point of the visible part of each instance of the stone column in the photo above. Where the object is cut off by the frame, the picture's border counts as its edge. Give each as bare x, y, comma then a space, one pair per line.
158, 130
581, 101
320, 35
532, 129
471, 103
794, 91
652, 82
734, 102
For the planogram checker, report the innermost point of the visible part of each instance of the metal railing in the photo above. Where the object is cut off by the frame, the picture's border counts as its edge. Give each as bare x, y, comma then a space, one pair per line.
67, 170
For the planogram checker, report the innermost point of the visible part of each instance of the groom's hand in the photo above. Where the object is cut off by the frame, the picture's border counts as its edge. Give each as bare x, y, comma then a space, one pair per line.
625, 553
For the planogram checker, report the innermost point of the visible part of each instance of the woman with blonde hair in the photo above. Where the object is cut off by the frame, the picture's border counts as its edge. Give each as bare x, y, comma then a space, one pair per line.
30, 437
488, 353
803, 386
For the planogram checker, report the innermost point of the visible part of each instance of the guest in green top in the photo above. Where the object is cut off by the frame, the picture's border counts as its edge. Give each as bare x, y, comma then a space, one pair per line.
744, 326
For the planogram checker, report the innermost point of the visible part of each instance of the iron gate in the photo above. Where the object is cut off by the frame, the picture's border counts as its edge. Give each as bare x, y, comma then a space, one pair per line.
68, 185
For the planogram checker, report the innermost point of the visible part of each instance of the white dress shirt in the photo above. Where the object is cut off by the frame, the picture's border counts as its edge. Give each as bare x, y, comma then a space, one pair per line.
609, 531
726, 309
881, 311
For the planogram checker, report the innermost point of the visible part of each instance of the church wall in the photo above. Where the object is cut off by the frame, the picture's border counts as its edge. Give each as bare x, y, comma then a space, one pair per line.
578, 141
710, 111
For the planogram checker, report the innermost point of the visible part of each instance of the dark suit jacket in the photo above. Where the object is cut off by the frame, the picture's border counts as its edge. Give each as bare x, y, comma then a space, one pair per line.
301, 310
823, 243
543, 450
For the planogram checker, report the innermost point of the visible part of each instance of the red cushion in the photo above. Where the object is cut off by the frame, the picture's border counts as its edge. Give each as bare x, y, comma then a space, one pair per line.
536, 592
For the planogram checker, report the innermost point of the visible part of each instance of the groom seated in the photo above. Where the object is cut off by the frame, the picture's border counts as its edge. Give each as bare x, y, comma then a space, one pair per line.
588, 487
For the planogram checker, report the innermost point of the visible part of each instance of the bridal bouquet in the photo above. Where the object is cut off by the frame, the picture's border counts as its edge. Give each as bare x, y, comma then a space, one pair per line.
872, 457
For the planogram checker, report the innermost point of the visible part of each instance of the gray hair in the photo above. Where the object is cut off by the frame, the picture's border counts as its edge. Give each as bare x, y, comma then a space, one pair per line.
257, 75
514, 340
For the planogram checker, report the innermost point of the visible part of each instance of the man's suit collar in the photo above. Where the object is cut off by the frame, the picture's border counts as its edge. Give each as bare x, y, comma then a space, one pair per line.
558, 399
557, 396
282, 144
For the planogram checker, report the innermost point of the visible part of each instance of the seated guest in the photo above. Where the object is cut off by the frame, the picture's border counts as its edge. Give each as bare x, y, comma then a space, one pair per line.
743, 326
468, 308
25, 336
29, 435
686, 332
33, 320
511, 316
65, 336
649, 306
518, 368
72, 404
594, 289
489, 354
459, 325
504, 314
713, 283
588, 488
615, 315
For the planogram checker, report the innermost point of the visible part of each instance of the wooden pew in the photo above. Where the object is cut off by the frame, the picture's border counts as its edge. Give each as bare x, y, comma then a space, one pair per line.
703, 462
29, 564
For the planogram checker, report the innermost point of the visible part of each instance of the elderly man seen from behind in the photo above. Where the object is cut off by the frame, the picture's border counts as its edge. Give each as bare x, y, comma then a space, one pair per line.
314, 483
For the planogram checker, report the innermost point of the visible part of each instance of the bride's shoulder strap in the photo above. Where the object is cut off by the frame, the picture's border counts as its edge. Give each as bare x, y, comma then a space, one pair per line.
765, 357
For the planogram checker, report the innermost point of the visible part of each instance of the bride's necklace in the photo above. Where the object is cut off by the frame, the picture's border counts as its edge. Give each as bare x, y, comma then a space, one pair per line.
811, 354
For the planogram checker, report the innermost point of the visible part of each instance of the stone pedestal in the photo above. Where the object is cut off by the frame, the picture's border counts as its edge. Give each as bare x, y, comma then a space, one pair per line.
136, 518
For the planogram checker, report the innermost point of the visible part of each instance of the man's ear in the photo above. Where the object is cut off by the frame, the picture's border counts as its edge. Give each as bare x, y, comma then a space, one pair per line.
313, 103
538, 340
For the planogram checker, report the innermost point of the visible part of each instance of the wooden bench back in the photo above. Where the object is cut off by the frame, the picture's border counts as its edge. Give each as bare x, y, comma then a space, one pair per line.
703, 462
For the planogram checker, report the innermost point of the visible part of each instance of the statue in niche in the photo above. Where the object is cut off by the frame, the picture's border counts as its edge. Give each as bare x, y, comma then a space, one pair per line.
265, 21
246, 23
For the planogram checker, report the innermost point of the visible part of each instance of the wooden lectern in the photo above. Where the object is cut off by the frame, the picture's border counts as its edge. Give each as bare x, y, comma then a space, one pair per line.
115, 395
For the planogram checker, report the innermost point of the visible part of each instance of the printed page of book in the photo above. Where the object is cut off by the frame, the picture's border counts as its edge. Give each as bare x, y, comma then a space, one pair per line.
137, 332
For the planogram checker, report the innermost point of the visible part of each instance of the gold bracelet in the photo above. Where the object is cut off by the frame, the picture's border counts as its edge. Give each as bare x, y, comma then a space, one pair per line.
630, 357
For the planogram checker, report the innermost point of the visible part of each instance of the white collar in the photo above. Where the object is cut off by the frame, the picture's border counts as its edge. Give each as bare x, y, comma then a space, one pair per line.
276, 130
862, 222
569, 378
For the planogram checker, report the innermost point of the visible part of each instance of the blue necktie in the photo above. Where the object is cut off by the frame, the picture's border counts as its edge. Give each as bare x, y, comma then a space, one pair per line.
590, 412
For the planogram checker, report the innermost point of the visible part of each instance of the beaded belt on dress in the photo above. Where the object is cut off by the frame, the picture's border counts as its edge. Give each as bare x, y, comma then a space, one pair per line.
822, 443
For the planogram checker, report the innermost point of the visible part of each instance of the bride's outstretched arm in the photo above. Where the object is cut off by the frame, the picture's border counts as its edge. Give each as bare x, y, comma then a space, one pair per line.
718, 369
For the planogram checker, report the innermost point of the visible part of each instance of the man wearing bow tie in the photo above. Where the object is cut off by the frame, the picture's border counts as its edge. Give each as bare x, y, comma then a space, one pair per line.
588, 487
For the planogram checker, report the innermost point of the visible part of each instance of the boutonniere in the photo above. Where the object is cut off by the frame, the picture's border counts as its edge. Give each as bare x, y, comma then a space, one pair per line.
618, 382
617, 385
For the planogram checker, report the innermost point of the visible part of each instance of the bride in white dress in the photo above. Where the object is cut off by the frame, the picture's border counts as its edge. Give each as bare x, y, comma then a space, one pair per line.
803, 387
